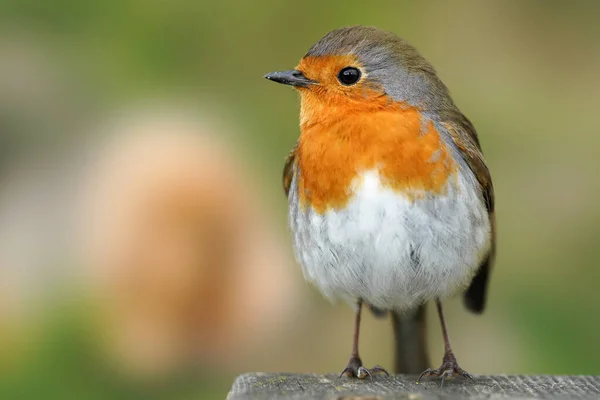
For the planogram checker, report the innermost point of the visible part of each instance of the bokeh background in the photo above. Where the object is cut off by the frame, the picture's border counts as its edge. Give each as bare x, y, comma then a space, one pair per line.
143, 242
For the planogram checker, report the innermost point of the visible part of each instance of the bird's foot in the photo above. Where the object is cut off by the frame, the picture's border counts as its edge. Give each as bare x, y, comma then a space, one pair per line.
355, 369
448, 370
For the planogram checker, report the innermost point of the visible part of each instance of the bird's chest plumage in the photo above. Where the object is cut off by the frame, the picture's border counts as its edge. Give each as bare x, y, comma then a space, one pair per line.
407, 152
391, 219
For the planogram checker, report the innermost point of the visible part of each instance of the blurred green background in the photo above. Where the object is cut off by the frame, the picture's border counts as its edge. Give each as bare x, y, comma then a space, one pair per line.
123, 98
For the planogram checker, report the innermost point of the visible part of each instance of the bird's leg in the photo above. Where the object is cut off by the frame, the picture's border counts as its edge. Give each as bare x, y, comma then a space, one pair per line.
355, 367
449, 367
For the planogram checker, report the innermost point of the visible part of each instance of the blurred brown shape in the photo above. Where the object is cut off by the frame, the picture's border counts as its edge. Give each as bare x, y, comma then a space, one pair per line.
180, 247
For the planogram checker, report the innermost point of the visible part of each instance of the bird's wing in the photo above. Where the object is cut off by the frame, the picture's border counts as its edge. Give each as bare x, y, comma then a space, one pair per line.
465, 138
288, 169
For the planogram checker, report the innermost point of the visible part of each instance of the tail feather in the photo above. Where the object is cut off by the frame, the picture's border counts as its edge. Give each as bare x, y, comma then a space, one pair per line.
410, 340
377, 312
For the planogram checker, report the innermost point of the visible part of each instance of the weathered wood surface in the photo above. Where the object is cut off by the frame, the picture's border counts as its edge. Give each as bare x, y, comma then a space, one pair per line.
256, 386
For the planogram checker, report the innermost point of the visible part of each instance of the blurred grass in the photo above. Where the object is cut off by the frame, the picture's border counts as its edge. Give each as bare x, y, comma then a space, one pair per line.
65, 365
524, 72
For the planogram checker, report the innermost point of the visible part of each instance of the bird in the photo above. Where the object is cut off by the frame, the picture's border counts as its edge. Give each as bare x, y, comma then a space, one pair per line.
391, 203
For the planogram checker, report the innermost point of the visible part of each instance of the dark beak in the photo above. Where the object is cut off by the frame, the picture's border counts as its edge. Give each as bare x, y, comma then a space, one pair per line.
292, 77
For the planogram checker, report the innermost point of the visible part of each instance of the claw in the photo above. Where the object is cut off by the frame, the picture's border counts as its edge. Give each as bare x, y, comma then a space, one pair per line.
467, 375
447, 370
363, 373
356, 369
427, 372
347, 369
378, 368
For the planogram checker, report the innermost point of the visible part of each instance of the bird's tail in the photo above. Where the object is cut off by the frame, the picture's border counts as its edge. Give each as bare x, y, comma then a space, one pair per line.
410, 342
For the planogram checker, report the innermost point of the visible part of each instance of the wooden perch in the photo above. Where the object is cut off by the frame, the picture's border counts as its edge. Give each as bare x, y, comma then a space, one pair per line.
254, 386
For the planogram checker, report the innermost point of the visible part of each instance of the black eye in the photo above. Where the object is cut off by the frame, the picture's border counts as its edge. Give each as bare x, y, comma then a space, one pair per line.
349, 75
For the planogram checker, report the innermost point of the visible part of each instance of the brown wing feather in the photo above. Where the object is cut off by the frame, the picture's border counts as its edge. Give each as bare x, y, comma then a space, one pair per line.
465, 138
288, 170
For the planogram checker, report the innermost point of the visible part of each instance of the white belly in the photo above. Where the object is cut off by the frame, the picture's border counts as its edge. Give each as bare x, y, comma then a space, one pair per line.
391, 251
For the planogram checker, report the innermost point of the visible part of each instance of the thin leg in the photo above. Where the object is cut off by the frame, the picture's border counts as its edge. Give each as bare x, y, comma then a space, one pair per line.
356, 330
355, 367
449, 367
447, 348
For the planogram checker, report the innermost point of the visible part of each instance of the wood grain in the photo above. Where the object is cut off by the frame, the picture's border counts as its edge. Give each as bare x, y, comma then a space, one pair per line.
254, 386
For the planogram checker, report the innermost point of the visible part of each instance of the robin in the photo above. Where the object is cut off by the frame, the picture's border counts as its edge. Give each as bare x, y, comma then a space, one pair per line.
391, 203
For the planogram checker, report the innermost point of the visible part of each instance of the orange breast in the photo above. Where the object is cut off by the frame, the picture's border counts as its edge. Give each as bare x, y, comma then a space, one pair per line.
335, 146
